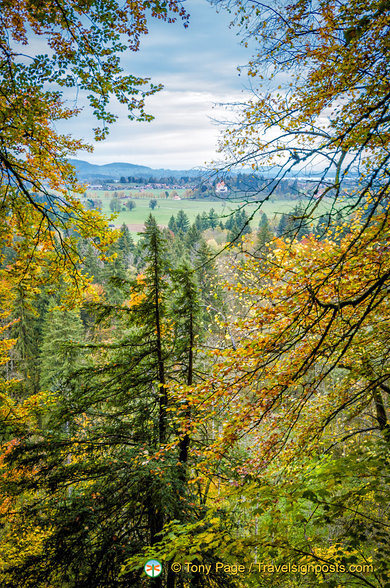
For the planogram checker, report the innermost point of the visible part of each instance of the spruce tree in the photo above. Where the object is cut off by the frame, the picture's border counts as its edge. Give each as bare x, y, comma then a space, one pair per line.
263, 220
237, 225
62, 329
264, 234
210, 292
116, 268
186, 308
298, 225
182, 222
172, 224
204, 221
192, 237
25, 355
126, 243
107, 484
198, 223
230, 222
213, 219
282, 226
242, 221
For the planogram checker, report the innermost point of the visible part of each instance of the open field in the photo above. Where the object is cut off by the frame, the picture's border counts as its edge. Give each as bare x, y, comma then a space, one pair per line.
166, 207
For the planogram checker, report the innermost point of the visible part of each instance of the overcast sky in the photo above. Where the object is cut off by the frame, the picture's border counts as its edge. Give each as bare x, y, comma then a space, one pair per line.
198, 67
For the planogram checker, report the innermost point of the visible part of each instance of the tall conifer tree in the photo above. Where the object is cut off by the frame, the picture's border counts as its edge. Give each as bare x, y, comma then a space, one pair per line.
107, 481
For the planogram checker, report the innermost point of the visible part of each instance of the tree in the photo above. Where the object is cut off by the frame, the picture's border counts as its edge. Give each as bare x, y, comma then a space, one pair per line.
182, 222
210, 292
298, 225
152, 203
264, 234
186, 308
307, 389
193, 236
303, 394
25, 354
324, 223
317, 516
130, 204
263, 220
172, 224
282, 225
318, 47
126, 242
213, 218
62, 330
115, 205
238, 225
107, 460
335, 113
81, 46
294, 362
202, 222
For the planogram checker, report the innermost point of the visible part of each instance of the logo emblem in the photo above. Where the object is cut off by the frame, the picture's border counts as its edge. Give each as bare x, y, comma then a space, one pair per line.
153, 568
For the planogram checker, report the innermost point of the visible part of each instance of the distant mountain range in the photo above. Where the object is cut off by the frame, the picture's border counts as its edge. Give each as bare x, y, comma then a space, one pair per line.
90, 172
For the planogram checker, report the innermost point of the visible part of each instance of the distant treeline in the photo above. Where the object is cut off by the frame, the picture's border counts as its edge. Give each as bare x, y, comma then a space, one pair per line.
252, 185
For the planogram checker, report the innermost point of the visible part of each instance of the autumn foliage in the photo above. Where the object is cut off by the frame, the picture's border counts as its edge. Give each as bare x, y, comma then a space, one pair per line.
161, 401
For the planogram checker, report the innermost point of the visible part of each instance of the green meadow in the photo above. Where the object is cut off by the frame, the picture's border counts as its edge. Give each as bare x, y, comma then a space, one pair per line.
166, 207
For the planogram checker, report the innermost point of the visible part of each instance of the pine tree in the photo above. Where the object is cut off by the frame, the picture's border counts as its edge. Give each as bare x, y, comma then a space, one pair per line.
186, 307
198, 222
172, 224
263, 221
204, 221
264, 234
213, 219
282, 226
25, 355
62, 329
182, 222
126, 243
298, 225
192, 237
108, 488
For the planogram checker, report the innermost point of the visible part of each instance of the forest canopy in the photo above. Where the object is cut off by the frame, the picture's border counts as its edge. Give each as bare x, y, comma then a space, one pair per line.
208, 409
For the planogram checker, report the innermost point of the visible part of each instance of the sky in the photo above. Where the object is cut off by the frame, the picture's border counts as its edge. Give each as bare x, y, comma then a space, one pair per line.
198, 68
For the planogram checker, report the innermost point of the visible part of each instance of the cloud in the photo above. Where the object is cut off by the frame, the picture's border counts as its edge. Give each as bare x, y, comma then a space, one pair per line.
198, 67
183, 134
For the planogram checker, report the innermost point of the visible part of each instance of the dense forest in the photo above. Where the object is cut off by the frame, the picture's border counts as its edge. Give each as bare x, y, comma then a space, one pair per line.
179, 416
